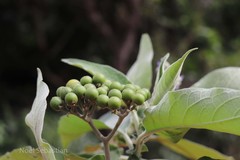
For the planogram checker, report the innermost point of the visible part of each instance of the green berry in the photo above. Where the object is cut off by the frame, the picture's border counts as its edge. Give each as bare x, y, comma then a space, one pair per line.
114, 102
138, 98
107, 83
102, 100
137, 87
105, 87
72, 83
131, 86
127, 94
144, 93
89, 85
147, 92
116, 85
79, 90
91, 93
85, 80
62, 91
98, 78
71, 98
115, 92
102, 90
56, 102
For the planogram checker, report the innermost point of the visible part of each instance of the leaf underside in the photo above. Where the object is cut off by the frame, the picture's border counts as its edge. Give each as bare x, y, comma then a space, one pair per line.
141, 71
227, 77
215, 109
93, 68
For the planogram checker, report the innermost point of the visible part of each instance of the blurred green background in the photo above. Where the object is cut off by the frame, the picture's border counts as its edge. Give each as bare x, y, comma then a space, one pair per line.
38, 33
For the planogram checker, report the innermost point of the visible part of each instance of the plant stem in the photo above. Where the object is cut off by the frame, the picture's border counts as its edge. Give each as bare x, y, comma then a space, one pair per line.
106, 139
106, 150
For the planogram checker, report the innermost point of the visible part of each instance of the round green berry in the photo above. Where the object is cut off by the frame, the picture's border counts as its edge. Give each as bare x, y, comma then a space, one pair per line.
102, 100
79, 90
116, 85
138, 98
72, 83
127, 94
102, 90
71, 98
114, 102
105, 87
56, 102
115, 92
91, 93
85, 80
137, 87
131, 86
144, 93
107, 83
89, 85
147, 92
62, 91
98, 78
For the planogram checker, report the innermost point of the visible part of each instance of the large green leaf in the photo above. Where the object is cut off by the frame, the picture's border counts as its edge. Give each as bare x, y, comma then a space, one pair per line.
93, 68
35, 118
71, 127
169, 79
29, 153
224, 77
192, 150
141, 71
215, 109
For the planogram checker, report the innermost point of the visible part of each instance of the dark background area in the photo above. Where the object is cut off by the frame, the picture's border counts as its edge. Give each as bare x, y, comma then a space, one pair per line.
38, 33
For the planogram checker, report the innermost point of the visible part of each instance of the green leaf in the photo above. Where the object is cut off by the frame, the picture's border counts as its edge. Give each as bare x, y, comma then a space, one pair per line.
27, 153
97, 157
192, 150
141, 71
163, 65
35, 118
224, 77
71, 127
93, 68
169, 79
215, 109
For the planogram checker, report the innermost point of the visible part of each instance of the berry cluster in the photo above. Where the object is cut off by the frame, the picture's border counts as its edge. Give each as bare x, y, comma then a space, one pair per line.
98, 91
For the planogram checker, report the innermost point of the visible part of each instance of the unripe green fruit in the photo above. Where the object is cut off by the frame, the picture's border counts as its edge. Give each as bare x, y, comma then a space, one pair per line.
144, 93
131, 86
91, 93
71, 98
114, 102
138, 98
85, 80
56, 102
107, 83
102, 100
62, 91
137, 87
104, 87
116, 85
127, 94
89, 85
98, 78
147, 92
102, 90
115, 92
72, 83
79, 90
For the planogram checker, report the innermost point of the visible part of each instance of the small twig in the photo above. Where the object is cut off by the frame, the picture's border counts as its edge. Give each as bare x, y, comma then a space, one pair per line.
95, 130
